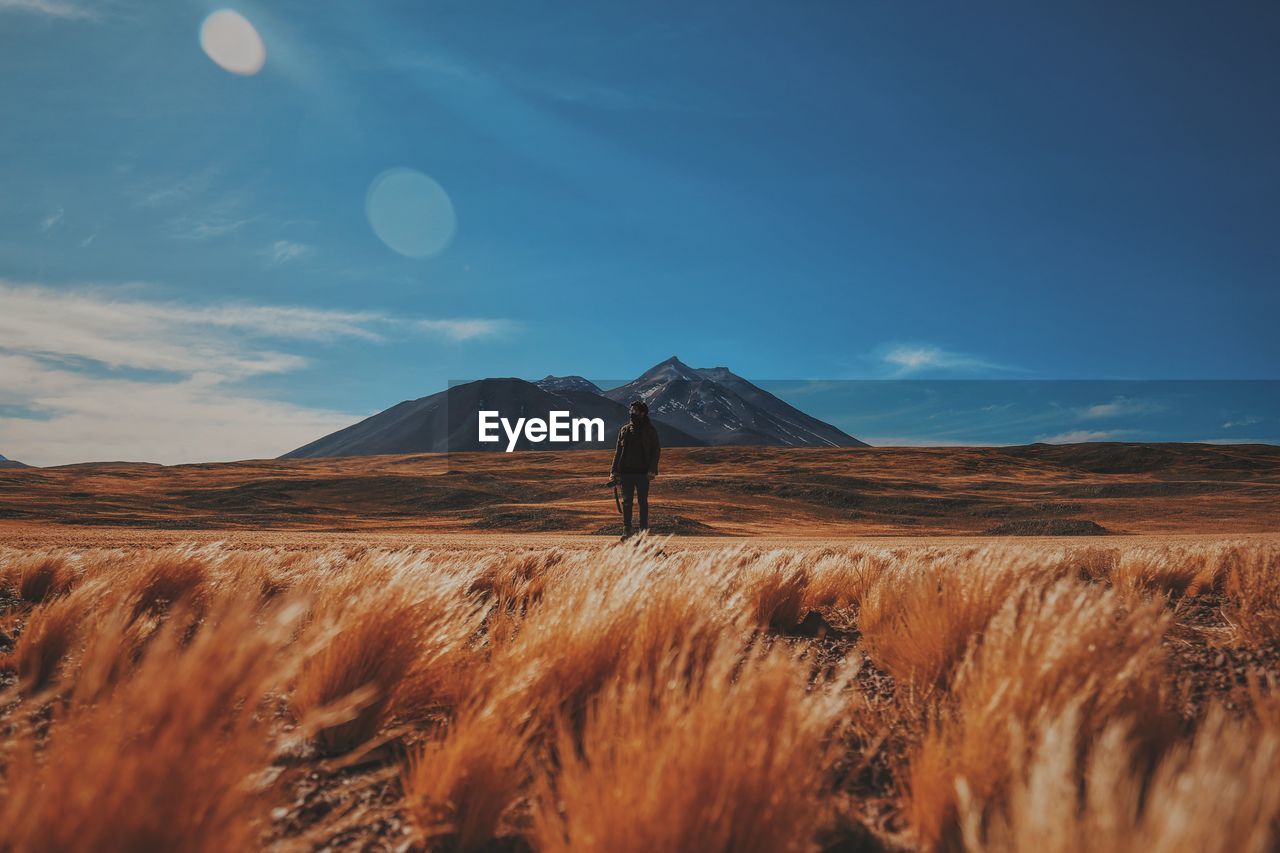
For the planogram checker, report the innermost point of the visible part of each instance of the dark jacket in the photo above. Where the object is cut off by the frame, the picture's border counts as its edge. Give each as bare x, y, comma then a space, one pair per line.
637, 451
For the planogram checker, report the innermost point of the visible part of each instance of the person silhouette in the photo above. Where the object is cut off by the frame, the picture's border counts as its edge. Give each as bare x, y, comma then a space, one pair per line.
635, 463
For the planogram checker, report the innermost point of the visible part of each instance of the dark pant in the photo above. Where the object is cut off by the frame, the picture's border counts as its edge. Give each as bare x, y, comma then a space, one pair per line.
639, 485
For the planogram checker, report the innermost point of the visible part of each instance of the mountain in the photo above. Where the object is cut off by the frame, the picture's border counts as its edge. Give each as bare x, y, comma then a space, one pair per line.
689, 408
449, 422
720, 407
568, 383
11, 463
799, 423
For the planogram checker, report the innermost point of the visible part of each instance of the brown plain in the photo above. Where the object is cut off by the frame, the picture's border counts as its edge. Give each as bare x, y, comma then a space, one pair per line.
727, 490
350, 654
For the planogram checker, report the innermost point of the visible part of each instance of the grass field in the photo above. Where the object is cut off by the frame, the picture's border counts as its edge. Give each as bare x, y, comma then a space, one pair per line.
513, 693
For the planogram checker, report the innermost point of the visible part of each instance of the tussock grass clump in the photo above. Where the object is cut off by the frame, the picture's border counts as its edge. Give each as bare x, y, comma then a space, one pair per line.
624, 611
1052, 647
37, 577
1252, 585
1214, 792
458, 788
839, 581
52, 633
691, 756
170, 759
1091, 563
505, 577
124, 601
380, 626
777, 584
918, 618
164, 578
1168, 571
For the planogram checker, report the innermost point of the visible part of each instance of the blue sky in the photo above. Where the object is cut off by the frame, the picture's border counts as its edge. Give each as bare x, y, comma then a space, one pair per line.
945, 412
796, 190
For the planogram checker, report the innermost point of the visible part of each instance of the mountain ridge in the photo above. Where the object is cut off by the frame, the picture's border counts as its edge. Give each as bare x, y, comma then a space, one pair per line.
688, 408
717, 405
568, 383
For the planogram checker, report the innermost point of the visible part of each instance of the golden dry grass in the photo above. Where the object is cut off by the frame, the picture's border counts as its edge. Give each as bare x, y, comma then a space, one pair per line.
172, 757
720, 730
1052, 646
573, 696
459, 786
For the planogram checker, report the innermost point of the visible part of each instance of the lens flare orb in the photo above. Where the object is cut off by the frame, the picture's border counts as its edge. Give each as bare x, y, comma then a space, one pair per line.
233, 43
410, 212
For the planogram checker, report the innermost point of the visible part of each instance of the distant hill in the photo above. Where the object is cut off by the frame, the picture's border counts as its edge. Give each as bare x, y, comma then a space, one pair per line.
11, 463
690, 408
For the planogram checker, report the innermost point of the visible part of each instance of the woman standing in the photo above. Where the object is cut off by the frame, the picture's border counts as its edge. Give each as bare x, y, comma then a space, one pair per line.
635, 463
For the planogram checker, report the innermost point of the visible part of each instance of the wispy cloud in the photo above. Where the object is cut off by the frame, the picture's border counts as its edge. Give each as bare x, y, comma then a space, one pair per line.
201, 228
114, 376
1078, 436
1236, 423
1120, 407
194, 418
96, 326
51, 8
53, 218
464, 330
178, 189
914, 359
198, 208
283, 251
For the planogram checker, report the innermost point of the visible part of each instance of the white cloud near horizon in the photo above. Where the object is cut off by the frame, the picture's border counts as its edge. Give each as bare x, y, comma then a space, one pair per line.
1120, 407
93, 326
1077, 436
910, 359
70, 365
195, 419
